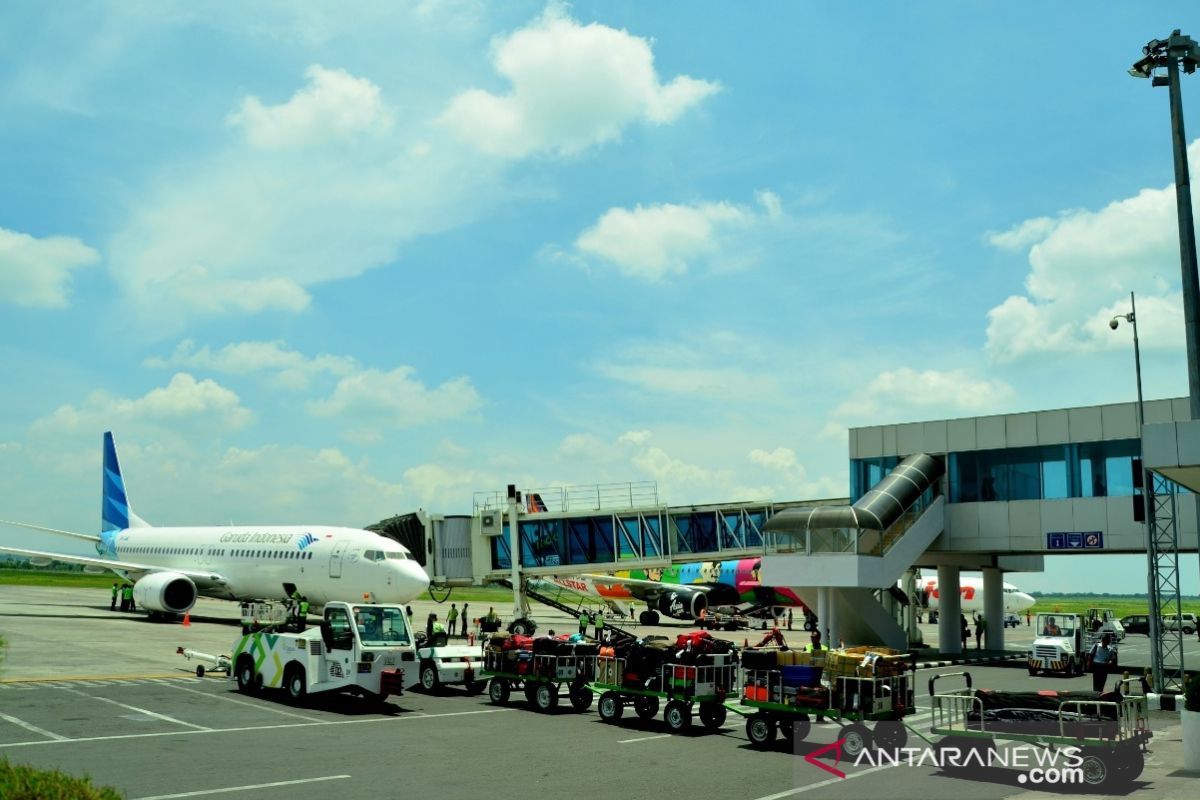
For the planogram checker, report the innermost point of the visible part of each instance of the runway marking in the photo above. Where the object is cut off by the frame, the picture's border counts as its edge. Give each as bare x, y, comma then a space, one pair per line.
820, 784
154, 714
198, 793
256, 706
35, 729
645, 738
257, 727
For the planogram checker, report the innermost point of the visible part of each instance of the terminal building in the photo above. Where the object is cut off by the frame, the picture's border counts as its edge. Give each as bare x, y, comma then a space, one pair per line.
991, 493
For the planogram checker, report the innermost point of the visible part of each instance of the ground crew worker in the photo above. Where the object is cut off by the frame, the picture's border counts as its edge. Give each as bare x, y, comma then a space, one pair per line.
1099, 660
789, 619
294, 604
127, 598
815, 645
980, 630
465, 622
132, 602
583, 623
493, 621
452, 618
302, 616
600, 627
112, 605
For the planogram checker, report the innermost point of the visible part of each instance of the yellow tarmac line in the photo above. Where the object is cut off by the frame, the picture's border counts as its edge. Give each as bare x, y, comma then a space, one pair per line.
61, 679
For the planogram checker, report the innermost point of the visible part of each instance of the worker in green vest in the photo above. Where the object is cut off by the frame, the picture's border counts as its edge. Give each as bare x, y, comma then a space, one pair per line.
815, 645
112, 605
583, 623
302, 614
452, 618
599, 626
127, 596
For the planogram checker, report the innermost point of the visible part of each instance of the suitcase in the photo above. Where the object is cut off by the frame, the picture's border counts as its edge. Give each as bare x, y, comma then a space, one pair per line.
699, 640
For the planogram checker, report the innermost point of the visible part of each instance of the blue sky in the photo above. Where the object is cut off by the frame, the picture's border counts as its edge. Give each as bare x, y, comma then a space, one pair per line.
329, 264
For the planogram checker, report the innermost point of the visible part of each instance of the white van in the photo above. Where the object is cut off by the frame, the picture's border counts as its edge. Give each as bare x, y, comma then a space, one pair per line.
1185, 621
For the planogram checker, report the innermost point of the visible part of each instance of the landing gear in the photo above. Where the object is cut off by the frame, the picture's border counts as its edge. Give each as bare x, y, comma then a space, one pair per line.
648, 618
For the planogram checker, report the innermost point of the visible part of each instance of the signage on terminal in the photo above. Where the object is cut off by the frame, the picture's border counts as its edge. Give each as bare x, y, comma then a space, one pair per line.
1075, 540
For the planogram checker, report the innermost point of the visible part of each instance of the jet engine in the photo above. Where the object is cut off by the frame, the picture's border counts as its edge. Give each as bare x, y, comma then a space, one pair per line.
165, 591
682, 603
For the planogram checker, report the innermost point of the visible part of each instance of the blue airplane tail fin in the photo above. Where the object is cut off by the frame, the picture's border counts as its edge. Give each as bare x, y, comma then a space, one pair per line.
115, 513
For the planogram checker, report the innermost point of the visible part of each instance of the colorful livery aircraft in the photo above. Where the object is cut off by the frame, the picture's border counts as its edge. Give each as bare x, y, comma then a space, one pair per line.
171, 567
682, 591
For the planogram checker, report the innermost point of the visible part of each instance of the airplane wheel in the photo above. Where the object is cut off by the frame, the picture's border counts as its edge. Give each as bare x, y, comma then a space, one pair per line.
610, 707
498, 691
297, 683
199, 670
678, 716
760, 730
648, 618
245, 676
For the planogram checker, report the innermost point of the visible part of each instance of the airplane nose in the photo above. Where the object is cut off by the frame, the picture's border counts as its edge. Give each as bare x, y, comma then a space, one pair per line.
413, 577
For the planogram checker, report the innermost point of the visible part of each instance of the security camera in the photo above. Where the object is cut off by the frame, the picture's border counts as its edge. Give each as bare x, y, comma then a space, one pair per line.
1112, 323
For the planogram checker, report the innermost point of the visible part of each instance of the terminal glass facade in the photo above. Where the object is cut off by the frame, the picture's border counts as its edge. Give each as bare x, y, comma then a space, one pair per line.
1046, 472
555, 541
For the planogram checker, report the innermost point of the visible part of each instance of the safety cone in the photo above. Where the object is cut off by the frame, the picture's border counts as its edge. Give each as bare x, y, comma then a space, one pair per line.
187, 620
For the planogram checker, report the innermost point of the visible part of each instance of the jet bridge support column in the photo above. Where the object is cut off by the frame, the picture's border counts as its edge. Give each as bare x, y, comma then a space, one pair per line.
993, 608
823, 615
949, 609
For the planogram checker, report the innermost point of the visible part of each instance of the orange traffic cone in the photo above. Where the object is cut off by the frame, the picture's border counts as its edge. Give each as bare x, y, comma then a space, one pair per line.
187, 620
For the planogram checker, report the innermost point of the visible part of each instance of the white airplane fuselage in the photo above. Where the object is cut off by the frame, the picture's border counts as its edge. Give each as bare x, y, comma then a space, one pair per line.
970, 592
324, 563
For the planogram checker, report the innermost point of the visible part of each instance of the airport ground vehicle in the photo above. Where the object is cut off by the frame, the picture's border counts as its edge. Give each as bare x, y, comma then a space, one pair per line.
1011, 620
720, 621
1109, 736
440, 664
540, 676
1099, 621
1063, 641
361, 648
684, 687
851, 701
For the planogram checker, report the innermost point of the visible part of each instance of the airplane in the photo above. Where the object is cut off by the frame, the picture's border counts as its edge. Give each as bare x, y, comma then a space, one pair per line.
971, 595
682, 591
171, 567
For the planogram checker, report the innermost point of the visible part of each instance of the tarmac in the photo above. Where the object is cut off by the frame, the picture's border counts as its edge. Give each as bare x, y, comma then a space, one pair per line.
104, 694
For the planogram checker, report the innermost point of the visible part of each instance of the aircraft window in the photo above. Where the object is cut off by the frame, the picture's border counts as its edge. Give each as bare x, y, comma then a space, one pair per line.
396, 555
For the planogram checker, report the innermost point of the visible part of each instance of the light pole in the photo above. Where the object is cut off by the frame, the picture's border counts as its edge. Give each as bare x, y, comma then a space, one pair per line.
1156, 655
1170, 54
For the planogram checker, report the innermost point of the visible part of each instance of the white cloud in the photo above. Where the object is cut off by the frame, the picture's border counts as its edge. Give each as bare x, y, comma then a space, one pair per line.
396, 399
290, 368
37, 272
183, 400
638, 438
781, 458
703, 367
655, 242
906, 391
292, 204
1083, 265
335, 105
573, 86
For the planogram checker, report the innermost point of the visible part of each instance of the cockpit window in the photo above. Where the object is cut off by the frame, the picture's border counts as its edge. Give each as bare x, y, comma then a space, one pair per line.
395, 555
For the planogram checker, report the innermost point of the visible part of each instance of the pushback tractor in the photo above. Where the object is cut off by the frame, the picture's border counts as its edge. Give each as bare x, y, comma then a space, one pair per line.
359, 648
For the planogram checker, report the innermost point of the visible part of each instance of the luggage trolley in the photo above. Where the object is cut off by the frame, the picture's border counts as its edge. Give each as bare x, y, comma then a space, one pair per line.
770, 706
541, 676
1111, 736
682, 686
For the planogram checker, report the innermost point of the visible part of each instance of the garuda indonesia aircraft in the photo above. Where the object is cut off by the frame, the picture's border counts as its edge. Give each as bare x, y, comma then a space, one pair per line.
171, 567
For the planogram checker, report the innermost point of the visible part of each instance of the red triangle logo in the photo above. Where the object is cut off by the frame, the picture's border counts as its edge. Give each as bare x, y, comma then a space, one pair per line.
815, 754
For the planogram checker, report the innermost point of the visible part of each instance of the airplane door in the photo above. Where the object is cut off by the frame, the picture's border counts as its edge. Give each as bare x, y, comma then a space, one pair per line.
335, 560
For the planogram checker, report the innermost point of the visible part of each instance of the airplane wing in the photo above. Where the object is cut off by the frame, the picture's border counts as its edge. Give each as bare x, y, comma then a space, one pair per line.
135, 570
91, 537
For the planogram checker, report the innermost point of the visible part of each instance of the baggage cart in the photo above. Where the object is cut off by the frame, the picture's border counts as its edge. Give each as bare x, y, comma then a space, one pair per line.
541, 677
684, 687
1109, 735
770, 706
